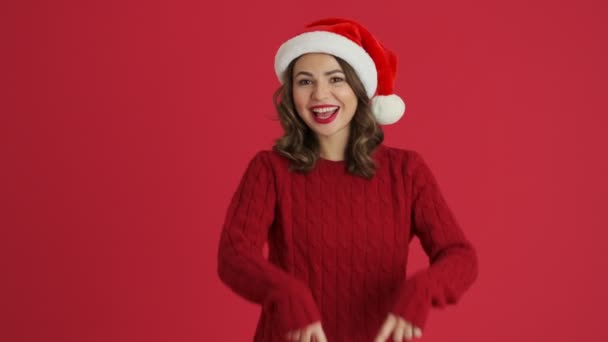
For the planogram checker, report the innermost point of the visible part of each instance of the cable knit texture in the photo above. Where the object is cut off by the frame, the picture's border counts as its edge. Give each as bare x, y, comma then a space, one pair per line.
338, 245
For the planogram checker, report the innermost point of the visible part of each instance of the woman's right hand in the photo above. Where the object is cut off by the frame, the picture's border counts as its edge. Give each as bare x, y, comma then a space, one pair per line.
311, 333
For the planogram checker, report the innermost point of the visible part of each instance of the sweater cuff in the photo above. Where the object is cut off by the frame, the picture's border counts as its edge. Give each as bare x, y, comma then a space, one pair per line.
414, 302
292, 307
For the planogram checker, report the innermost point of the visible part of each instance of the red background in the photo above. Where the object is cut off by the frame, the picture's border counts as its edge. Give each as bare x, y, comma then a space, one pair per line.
126, 126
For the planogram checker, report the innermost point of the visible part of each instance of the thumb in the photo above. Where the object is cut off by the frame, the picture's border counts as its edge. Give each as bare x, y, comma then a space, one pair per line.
319, 336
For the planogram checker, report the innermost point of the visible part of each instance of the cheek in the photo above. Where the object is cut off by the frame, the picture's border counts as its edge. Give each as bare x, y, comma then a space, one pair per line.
352, 103
345, 93
299, 103
349, 98
298, 93
299, 100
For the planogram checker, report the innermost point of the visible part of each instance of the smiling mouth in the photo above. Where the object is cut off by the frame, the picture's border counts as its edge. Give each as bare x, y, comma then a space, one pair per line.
324, 113
325, 116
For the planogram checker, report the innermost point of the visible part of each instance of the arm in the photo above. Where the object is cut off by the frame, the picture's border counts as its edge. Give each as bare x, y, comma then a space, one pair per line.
453, 260
241, 264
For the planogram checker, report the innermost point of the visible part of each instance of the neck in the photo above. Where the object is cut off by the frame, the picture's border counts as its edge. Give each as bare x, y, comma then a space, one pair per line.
334, 147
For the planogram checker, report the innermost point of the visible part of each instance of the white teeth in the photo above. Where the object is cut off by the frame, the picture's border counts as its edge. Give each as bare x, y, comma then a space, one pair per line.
324, 110
324, 115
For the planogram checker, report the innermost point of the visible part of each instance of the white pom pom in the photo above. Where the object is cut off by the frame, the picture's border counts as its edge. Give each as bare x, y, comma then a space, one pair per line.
387, 109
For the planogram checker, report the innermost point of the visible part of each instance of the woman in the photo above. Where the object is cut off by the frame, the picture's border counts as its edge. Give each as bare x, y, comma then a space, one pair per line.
338, 208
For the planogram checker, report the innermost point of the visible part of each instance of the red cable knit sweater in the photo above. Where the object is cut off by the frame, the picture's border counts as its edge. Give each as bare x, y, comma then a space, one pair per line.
338, 245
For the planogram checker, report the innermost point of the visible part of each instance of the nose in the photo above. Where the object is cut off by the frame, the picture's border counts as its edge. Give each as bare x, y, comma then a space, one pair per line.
320, 91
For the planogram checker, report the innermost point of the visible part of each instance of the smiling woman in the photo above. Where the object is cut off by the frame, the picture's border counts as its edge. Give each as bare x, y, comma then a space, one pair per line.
303, 102
324, 101
337, 207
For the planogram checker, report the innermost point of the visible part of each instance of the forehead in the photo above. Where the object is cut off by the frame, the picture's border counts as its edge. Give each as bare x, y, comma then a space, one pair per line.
319, 62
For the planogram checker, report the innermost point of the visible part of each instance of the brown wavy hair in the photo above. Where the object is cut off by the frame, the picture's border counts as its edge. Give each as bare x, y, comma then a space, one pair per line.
301, 145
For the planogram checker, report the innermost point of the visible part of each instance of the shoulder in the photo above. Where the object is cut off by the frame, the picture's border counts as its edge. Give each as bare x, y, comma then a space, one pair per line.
273, 157
269, 159
258, 162
406, 158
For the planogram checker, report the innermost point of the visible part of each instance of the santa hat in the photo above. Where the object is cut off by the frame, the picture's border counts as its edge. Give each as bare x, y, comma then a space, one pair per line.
375, 65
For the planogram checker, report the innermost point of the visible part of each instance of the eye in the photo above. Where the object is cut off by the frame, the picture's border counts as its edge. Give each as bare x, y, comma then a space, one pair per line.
303, 82
337, 79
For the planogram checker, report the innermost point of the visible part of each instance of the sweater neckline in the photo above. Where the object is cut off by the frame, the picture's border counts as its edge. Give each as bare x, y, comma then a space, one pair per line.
329, 161
343, 162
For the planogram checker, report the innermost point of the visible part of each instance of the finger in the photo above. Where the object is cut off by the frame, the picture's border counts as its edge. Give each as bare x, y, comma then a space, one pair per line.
399, 330
408, 331
293, 335
417, 332
386, 329
306, 335
320, 336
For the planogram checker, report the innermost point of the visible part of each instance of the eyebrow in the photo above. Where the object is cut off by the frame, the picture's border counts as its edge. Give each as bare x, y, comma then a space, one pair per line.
326, 74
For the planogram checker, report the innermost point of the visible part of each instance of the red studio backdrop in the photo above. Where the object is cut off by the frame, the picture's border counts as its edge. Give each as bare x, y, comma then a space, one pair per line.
125, 127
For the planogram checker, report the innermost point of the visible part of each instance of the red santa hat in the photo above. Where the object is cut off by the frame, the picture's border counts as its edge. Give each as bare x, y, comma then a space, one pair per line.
375, 65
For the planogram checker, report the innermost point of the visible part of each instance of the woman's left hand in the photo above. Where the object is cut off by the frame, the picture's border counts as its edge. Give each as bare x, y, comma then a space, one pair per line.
398, 328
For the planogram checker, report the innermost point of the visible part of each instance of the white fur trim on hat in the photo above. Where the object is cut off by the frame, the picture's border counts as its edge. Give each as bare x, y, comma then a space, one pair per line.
387, 109
331, 43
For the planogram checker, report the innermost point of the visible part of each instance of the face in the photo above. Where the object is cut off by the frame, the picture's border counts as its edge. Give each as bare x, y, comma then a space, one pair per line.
321, 95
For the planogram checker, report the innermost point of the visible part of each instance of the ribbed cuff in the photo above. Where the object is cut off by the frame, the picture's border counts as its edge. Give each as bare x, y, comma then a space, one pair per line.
292, 308
414, 302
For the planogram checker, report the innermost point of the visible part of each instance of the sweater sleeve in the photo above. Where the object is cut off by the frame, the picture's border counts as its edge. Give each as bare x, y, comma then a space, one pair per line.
241, 263
453, 260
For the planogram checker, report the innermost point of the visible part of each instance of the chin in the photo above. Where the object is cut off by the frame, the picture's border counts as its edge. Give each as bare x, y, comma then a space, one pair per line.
327, 133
